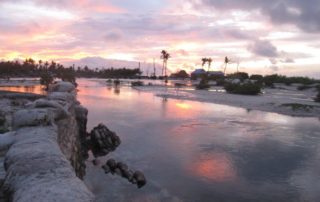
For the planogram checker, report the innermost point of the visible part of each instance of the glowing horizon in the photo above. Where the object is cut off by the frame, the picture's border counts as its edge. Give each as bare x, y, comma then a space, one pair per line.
263, 37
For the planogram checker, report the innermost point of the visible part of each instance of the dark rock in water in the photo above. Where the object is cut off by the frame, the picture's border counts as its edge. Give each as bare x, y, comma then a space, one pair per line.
134, 181
112, 164
139, 177
106, 169
103, 140
122, 166
128, 174
122, 170
118, 171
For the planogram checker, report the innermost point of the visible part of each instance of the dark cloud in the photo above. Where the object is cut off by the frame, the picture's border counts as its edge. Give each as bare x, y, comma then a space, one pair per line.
113, 36
264, 48
303, 14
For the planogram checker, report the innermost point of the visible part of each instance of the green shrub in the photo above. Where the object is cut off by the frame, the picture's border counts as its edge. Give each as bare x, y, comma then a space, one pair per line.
137, 83
203, 84
239, 75
297, 106
256, 77
303, 87
68, 75
220, 82
46, 79
243, 89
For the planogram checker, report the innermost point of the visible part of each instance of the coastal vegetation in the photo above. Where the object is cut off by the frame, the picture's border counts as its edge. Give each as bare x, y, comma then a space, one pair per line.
207, 60
203, 84
270, 80
182, 74
297, 106
137, 83
46, 78
248, 88
32, 68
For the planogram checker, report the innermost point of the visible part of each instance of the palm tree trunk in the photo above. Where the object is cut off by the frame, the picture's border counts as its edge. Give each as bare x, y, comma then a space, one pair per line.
225, 68
165, 73
163, 67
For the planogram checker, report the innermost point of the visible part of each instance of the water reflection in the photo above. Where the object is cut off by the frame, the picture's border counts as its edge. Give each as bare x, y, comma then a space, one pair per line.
37, 89
213, 167
192, 151
117, 90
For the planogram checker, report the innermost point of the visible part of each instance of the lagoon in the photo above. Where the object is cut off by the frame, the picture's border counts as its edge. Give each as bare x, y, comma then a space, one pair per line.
197, 151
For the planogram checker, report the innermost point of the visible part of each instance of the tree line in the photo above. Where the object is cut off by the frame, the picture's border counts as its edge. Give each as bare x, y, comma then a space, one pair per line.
32, 68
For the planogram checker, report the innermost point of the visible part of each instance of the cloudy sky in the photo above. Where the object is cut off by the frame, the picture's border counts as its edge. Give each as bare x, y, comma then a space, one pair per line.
274, 36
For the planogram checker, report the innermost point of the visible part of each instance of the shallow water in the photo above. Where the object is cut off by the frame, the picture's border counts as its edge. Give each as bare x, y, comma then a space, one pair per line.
38, 89
192, 151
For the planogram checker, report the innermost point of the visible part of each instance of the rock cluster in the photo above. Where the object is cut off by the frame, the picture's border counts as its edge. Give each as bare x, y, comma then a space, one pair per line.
103, 141
122, 170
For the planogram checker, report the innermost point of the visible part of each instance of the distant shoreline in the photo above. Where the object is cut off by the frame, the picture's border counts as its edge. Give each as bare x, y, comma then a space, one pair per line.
284, 100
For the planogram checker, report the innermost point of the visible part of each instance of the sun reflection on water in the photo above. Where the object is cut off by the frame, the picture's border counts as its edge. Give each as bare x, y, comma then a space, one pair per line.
213, 167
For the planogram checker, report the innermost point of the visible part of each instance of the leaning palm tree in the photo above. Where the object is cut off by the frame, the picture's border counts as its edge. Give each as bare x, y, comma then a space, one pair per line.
226, 62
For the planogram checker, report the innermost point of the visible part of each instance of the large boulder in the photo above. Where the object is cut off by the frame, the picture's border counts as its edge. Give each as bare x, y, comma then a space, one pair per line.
32, 117
103, 140
62, 96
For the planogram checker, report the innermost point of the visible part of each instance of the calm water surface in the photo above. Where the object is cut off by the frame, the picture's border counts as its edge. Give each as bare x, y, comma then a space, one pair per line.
192, 151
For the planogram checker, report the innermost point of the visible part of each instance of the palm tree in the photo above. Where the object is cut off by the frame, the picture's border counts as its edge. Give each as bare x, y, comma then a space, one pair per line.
226, 62
209, 60
165, 57
204, 61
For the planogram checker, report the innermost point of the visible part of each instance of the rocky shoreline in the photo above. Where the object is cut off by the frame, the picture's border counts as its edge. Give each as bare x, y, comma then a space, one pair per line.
43, 156
44, 144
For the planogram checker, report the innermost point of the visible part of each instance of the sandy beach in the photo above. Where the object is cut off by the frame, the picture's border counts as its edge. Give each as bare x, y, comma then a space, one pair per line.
282, 99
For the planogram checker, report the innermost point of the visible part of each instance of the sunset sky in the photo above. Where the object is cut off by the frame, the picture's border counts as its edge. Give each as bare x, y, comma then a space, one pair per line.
274, 36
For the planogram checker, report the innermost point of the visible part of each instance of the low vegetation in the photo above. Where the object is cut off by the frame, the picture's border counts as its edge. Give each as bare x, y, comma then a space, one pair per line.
182, 74
46, 78
137, 83
239, 75
304, 87
269, 80
297, 106
203, 84
243, 88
